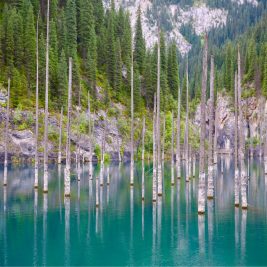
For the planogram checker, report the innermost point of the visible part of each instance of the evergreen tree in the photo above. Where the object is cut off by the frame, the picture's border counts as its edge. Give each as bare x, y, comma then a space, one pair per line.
264, 81
18, 41
173, 70
62, 80
118, 74
250, 60
30, 47
111, 53
9, 49
86, 26
71, 25
139, 44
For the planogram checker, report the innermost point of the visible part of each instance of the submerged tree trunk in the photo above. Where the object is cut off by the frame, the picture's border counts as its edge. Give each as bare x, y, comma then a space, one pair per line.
90, 170
103, 156
60, 137
6, 132
172, 155
186, 143
68, 152
210, 192
154, 182
215, 156
143, 158
158, 123
178, 148
45, 189
36, 159
236, 146
242, 141
132, 125
163, 138
202, 186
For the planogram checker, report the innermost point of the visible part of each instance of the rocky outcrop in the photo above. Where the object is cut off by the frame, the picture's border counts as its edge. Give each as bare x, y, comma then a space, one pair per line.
253, 124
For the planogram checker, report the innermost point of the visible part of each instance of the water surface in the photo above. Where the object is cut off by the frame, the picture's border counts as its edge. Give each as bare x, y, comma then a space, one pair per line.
38, 229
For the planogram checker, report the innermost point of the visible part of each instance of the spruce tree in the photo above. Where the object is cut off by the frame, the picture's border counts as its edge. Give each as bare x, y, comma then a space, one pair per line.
86, 26
139, 44
18, 41
111, 53
62, 80
29, 47
71, 25
118, 73
264, 74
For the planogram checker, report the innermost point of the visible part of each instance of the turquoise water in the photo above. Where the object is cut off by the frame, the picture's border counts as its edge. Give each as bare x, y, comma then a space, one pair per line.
37, 229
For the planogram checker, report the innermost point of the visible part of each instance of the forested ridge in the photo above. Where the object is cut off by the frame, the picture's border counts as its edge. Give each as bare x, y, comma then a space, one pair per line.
100, 44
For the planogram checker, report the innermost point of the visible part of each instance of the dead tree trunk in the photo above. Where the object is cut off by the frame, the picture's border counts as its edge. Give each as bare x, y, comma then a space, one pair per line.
186, 144
210, 192
172, 154
163, 138
158, 122
68, 152
60, 137
236, 146
6, 133
36, 160
132, 125
45, 189
242, 141
178, 147
154, 182
202, 186
143, 158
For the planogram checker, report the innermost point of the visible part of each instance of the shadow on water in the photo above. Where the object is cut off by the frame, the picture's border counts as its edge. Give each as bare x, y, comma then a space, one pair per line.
49, 229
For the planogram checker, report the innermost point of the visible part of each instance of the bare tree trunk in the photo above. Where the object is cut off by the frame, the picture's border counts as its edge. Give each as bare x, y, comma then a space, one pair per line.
154, 183
108, 176
186, 144
102, 155
215, 156
132, 125
202, 186
97, 192
210, 192
36, 160
90, 139
6, 132
178, 148
158, 123
68, 152
172, 159
237, 187
242, 142
143, 158
163, 138
78, 152
45, 189
60, 137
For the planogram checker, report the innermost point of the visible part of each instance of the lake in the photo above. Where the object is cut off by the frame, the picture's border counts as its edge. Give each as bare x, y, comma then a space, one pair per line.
47, 229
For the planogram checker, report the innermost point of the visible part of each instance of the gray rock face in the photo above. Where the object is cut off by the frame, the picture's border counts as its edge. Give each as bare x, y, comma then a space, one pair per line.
253, 114
25, 141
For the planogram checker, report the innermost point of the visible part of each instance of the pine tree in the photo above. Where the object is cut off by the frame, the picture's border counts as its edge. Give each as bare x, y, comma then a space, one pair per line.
111, 53
264, 81
98, 15
29, 48
9, 49
126, 45
92, 60
173, 70
71, 25
18, 41
139, 44
86, 25
250, 60
62, 80
118, 73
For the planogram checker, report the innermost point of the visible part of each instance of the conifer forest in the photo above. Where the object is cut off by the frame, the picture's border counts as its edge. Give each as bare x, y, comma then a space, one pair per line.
133, 132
